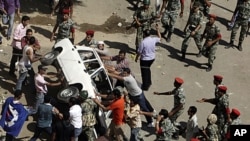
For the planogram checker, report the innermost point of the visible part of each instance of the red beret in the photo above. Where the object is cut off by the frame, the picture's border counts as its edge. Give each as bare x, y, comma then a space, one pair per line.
90, 32
179, 80
66, 11
236, 112
194, 139
218, 77
212, 16
222, 88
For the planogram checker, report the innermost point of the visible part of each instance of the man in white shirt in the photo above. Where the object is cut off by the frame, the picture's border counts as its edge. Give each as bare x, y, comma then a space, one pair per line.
75, 112
192, 123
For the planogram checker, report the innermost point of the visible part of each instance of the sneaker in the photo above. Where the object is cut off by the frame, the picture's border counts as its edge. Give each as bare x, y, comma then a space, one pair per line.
151, 124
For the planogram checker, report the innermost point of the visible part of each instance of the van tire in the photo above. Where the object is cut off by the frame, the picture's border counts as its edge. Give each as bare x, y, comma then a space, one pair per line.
49, 58
65, 94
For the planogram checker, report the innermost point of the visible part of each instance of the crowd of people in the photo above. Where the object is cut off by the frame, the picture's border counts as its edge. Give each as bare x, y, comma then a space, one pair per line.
127, 101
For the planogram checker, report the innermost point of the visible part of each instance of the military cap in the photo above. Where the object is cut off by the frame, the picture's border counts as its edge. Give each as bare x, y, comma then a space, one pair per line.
66, 11
212, 16
236, 112
194, 139
222, 88
90, 32
218, 77
179, 80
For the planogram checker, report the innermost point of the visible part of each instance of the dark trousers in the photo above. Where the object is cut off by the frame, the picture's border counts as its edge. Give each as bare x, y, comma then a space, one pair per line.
16, 56
39, 130
144, 105
9, 137
146, 72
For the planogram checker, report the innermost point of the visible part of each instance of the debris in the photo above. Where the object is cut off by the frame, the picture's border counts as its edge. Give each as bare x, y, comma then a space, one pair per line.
119, 24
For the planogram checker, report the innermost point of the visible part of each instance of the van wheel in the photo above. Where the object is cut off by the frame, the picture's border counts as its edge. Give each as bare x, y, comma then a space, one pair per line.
65, 94
49, 58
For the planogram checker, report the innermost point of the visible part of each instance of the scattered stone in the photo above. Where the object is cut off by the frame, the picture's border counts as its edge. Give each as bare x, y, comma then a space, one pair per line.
119, 24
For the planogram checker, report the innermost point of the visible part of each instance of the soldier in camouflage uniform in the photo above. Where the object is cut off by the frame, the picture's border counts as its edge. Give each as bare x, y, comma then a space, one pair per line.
212, 36
243, 9
89, 108
217, 82
203, 4
192, 29
143, 17
211, 132
179, 103
163, 126
65, 28
170, 14
222, 110
234, 115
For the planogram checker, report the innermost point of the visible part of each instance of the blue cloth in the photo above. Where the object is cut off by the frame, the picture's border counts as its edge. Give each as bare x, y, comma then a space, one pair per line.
13, 117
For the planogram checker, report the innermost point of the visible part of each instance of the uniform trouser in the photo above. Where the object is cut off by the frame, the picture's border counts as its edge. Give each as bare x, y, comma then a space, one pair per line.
146, 72
168, 20
116, 131
221, 125
139, 35
209, 52
197, 39
243, 31
16, 56
88, 133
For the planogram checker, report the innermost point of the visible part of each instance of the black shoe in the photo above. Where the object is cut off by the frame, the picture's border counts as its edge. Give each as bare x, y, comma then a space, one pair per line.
209, 68
231, 45
168, 39
240, 47
183, 55
199, 54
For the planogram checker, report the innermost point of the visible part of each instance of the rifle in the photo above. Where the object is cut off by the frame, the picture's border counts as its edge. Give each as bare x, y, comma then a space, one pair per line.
248, 28
134, 24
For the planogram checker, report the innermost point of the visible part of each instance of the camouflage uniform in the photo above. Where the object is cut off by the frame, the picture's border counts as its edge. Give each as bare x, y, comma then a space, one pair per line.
195, 19
212, 132
88, 118
236, 121
211, 31
167, 130
203, 6
64, 30
144, 16
243, 9
171, 13
220, 112
87, 43
179, 98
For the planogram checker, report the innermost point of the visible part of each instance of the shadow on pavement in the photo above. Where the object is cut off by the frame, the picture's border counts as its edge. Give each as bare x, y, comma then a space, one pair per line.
119, 45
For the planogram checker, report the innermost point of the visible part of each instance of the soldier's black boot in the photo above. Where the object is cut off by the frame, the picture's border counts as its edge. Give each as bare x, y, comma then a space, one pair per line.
231, 45
209, 68
183, 54
199, 54
240, 46
169, 36
175, 136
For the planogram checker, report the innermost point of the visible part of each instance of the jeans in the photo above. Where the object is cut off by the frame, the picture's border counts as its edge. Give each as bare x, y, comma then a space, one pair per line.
39, 130
20, 80
16, 56
78, 132
9, 19
135, 134
144, 105
39, 100
146, 72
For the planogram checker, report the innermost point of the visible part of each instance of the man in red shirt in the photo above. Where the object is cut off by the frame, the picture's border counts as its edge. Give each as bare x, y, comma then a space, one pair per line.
116, 125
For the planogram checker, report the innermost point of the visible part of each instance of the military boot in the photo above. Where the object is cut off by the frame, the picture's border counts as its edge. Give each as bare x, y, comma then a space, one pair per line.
240, 46
175, 135
199, 54
169, 36
209, 68
183, 54
166, 27
231, 45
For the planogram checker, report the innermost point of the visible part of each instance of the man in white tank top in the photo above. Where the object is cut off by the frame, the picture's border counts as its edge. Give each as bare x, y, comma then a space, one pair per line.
25, 62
